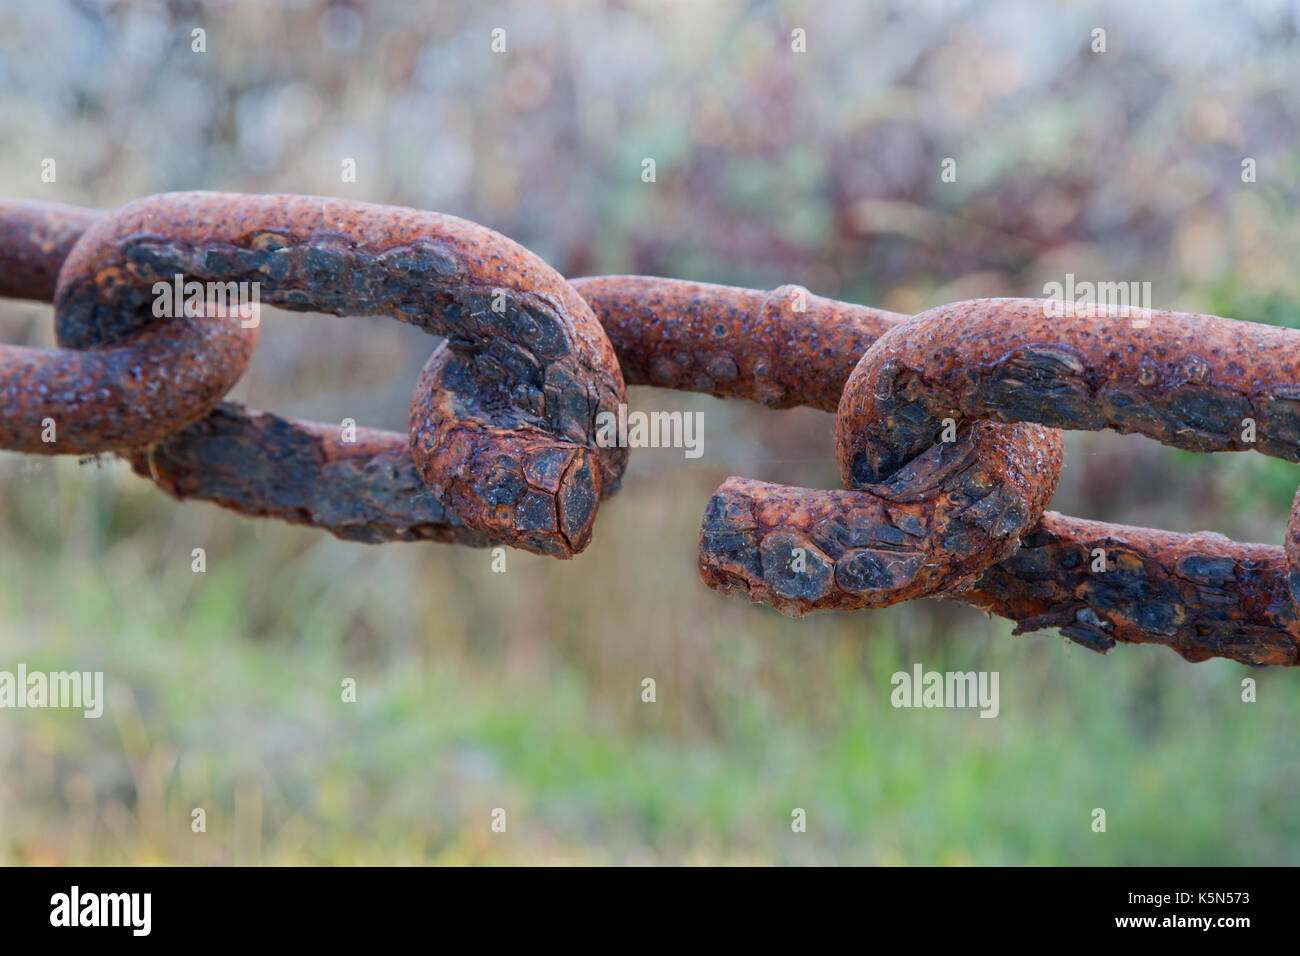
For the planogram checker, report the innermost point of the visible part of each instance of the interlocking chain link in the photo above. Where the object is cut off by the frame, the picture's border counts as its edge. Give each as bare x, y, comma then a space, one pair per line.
501, 445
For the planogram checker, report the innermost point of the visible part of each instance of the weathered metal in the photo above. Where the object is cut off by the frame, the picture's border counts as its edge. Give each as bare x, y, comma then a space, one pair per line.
35, 238
501, 426
1203, 595
163, 375
367, 489
782, 348
946, 425
930, 528
1198, 382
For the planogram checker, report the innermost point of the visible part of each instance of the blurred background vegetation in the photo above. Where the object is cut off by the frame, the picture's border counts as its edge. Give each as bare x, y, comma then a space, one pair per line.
480, 690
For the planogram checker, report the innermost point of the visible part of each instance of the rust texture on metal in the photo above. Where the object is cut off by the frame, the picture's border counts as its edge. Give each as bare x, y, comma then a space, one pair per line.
783, 348
163, 376
502, 425
35, 238
1186, 380
367, 489
1203, 595
501, 445
1191, 381
124, 396
930, 528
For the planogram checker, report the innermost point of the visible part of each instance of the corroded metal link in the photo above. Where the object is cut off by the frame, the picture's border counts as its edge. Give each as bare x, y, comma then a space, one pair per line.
1192, 381
35, 238
930, 529
367, 489
502, 424
74, 402
1202, 595
783, 348
1186, 380
161, 377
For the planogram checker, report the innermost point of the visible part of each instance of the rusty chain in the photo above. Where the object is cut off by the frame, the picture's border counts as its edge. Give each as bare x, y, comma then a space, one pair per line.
501, 445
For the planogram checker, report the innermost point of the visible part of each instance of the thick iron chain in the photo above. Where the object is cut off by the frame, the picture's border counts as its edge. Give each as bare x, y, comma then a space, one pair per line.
501, 444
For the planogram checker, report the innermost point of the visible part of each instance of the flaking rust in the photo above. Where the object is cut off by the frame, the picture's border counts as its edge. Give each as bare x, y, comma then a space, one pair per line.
165, 375
502, 424
930, 529
366, 489
1191, 381
501, 450
1202, 595
1186, 380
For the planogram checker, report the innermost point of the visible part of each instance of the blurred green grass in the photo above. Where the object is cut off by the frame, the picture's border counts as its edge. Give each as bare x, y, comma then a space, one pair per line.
523, 691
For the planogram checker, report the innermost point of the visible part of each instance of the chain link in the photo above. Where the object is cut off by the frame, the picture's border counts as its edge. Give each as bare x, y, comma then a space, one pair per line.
946, 432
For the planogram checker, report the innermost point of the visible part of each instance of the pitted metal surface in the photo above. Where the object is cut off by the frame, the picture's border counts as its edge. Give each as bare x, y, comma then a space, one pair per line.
946, 422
